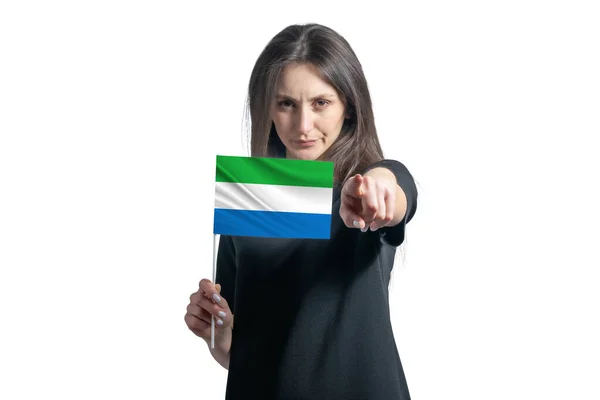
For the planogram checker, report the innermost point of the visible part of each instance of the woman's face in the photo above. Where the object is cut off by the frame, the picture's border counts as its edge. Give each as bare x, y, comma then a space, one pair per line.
307, 112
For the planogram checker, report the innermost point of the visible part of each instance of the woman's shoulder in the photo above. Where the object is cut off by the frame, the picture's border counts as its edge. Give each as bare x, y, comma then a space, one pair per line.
394, 165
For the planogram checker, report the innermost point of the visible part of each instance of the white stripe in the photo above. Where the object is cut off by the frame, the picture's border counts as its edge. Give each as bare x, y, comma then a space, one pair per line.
248, 196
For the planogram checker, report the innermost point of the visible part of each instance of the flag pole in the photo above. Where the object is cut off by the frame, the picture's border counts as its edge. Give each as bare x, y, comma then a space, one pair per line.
212, 318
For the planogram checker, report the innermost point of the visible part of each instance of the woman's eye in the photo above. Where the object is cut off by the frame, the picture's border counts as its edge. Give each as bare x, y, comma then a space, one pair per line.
286, 103
321, 103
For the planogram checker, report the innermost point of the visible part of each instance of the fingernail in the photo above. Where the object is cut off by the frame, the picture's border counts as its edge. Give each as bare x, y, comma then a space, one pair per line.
216, 297
374, 229
222, 314
219, 322
356, 224
366, 228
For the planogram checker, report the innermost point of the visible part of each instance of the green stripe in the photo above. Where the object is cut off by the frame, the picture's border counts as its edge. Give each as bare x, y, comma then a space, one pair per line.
275, 171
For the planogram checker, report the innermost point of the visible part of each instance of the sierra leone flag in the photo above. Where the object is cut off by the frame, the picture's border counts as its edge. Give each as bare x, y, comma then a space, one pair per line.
273, 197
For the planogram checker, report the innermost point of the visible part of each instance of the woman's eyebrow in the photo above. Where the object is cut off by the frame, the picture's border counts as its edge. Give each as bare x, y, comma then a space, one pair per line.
281, 96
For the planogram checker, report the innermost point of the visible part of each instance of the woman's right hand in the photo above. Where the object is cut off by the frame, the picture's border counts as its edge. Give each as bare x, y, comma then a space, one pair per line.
207, 302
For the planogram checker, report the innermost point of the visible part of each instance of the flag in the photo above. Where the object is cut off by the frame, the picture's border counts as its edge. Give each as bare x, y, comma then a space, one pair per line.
273, 197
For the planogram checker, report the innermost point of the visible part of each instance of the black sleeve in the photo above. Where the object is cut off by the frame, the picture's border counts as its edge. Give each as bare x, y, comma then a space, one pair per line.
226, 270
394, 235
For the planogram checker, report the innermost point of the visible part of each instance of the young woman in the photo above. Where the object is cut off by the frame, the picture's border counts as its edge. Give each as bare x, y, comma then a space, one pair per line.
312, 316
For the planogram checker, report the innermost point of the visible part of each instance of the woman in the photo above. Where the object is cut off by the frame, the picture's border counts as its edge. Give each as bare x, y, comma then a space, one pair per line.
312, 316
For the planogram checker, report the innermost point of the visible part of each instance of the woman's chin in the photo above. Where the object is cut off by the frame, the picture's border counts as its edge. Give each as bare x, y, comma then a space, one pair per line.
308, 154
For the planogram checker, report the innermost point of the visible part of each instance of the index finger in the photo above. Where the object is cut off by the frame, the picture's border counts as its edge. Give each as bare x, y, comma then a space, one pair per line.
354, 186
210, 290
369, 202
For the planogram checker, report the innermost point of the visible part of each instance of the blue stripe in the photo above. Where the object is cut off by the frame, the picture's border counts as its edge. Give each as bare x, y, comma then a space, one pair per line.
272, 224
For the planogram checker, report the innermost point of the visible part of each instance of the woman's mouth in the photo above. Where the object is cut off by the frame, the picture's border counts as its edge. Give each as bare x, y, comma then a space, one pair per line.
304, 143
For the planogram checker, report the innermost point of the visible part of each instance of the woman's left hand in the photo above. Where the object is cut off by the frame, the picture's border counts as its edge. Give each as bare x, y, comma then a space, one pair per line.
369, 201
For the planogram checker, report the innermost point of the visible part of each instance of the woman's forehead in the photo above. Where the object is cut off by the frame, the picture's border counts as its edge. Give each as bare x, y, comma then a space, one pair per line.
304, 80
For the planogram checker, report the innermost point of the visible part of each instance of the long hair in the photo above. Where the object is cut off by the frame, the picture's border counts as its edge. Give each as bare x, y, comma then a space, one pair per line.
357, 146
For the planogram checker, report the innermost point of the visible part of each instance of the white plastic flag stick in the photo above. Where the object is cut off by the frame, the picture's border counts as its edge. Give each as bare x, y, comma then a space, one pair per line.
212, 318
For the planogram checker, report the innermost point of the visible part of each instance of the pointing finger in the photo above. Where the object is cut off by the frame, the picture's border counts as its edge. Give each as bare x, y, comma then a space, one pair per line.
369, 201
354, 187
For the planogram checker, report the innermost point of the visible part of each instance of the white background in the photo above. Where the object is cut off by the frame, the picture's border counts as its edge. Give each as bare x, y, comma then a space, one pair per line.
111, 114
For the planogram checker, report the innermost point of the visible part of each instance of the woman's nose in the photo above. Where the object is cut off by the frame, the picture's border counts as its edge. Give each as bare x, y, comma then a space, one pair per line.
305, 121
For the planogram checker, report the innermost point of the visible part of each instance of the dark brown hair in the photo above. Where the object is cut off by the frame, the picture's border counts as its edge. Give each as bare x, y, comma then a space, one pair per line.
357, 146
